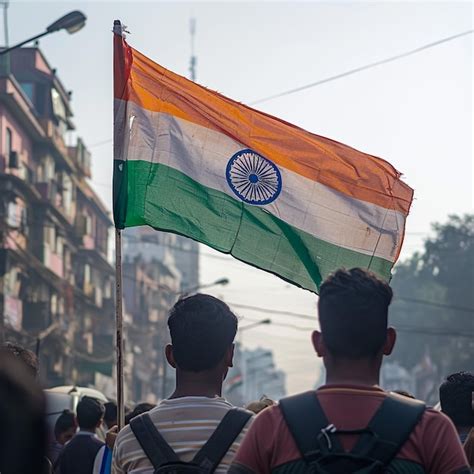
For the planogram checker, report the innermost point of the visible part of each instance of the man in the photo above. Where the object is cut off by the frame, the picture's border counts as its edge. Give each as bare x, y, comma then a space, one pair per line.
110, 417
81, 454
202, 330
456, 396
64, 430
23, 430
354, 337
27, 357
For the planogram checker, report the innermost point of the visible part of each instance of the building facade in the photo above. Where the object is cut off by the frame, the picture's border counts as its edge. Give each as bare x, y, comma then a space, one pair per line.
55, 280
254, 375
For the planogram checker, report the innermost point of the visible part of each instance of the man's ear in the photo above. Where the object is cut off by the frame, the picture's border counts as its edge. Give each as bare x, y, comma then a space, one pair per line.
318, 343
170, 356
389, 341
229, 356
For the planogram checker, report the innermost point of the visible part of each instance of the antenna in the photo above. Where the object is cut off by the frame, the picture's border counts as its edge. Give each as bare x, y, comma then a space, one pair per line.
5, 21
193, 61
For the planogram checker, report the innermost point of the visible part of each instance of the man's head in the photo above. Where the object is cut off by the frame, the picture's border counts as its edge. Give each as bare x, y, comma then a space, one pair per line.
353, 313
110, 416
202, 330
90, 413
456, 396
65, 427
27, 357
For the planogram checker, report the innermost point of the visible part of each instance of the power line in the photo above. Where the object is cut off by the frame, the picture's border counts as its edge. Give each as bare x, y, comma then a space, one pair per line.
341, 75
435, 304
362, 68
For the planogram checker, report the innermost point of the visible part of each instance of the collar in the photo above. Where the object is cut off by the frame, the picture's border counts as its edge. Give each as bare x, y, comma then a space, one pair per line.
86, 433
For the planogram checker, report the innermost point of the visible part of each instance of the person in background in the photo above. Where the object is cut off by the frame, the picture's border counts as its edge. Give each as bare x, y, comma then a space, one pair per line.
307, 431
105, 454
23, 430
260, 405
81, 454
110, 416
469, 448
456, 396
138, 410
202, 330
27, 357
64, 430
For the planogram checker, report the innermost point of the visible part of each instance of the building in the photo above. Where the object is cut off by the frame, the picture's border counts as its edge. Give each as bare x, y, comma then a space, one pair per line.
150, 289
174, 250
55, 280
158, 267
254, 374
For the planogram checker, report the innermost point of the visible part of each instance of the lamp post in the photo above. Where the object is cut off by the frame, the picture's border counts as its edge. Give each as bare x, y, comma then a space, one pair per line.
255, 324
221, 281
71, 22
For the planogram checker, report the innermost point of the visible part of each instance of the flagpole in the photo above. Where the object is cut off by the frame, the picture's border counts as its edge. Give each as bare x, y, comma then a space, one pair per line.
119, 328
118, 30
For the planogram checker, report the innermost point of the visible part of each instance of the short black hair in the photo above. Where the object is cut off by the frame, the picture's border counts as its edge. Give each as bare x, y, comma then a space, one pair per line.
139, 410
66, 420
26, 356
89, 412
456, 398
110, 415
353, 313
202, 328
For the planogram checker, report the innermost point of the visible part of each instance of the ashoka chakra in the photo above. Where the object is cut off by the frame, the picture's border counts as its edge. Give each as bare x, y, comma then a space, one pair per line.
253, 178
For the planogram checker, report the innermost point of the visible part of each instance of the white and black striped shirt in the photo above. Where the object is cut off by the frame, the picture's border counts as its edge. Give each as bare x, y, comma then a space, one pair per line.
186, 424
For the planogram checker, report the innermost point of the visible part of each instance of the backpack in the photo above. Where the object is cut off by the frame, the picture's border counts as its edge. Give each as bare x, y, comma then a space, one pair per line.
377, 445
165, 460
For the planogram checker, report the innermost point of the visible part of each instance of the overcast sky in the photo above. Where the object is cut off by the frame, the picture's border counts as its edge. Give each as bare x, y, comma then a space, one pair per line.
415, 112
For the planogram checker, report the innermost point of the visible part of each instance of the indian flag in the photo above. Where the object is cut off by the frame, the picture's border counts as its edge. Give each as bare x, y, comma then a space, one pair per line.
191, 161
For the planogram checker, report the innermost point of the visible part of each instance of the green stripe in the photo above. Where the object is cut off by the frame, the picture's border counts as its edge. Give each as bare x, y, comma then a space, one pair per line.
168, 200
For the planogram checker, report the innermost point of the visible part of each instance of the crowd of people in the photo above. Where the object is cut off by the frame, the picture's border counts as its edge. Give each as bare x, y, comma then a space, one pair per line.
348, 425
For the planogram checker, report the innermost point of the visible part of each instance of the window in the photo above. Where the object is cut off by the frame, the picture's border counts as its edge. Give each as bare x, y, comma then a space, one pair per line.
8, 143
59, 108
28, 89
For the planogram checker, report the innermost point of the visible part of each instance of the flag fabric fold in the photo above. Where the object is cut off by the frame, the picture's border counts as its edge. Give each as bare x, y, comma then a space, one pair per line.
191, 161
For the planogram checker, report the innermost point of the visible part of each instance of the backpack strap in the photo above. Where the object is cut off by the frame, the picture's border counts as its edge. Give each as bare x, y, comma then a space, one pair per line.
306, 420
392, 424
211, 454
153, 444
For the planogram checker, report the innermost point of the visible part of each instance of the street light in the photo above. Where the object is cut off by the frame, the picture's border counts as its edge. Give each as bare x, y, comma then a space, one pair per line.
256, 323
221, 281
71, 22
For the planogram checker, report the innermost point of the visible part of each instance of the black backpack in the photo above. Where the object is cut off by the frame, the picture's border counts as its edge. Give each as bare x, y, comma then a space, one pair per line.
375, 448
165, 460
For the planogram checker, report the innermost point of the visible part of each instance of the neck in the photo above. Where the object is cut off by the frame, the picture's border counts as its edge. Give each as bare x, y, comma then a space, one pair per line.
359, 372
197, 384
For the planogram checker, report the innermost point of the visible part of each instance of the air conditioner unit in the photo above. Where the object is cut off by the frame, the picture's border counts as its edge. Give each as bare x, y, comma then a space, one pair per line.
13, 160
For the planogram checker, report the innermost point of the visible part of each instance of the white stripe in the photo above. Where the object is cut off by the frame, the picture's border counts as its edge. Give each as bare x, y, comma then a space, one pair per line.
203, 154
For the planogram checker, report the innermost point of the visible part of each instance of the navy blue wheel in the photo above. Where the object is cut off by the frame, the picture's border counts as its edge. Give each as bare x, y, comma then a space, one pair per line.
253, 178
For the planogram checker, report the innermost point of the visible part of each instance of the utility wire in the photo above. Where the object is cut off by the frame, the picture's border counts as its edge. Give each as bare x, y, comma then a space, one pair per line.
342, 75
362, 68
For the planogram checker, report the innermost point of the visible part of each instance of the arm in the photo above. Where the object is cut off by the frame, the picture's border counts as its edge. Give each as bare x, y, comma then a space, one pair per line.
444, 452
254, 454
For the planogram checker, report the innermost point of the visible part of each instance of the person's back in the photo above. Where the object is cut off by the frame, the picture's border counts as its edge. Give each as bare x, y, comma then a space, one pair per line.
202, 332
456, 396
64, 430
81, 454
321, 431
23, 431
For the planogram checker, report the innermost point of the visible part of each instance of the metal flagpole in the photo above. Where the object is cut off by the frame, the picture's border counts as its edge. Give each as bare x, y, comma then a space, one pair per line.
118, 30
119, 328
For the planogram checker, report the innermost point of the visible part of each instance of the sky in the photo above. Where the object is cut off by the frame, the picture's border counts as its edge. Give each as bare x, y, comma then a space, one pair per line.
415, 112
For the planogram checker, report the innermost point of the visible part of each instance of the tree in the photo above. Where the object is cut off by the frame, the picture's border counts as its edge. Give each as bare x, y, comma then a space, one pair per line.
434, 303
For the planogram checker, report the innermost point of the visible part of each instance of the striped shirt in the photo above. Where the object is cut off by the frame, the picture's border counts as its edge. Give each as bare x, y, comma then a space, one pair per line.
186, 424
